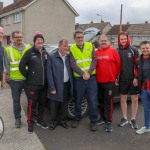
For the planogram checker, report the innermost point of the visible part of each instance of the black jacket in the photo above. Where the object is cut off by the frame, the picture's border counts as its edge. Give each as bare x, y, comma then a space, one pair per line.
35, 62
139, 66
128, 58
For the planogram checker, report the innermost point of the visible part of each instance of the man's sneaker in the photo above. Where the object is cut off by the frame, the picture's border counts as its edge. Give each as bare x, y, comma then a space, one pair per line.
108, 127
34, 119
18, 123
93, 127
42, 124
100, 121
122, 122
133, 124
143, 130
30, 128
75, 124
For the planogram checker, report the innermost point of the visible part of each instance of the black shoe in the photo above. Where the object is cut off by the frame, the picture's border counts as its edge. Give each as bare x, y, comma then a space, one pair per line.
64, 125
93, 127
42, 124
30, 128
18, 123
108, 127
100, 121
75, 124
52, 126
123, 122
34, 119
133, 124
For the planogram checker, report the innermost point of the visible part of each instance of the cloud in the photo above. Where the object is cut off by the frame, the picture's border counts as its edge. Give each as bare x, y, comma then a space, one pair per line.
134, 11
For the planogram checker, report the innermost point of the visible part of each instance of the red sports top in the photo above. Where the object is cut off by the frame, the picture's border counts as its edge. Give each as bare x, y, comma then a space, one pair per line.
108, 65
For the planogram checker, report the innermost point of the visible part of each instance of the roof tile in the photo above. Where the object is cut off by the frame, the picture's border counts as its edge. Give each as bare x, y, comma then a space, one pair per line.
16, 5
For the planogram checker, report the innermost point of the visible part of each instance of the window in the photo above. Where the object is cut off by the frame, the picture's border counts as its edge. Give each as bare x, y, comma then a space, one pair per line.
148, 38
1, 22
17, 17
139, 38
7, 20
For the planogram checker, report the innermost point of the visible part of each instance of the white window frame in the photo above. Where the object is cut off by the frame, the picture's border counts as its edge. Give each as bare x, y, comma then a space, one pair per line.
7, 19
17, 17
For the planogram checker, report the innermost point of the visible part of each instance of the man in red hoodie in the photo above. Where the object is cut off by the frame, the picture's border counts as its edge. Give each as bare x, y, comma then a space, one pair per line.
128, 55
107, 70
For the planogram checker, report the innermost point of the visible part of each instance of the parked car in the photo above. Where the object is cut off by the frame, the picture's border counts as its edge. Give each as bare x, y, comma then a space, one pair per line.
91, 34
71, 104
51, 48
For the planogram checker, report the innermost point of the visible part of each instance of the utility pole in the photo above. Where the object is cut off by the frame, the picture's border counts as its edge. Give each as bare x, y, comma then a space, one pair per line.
121, 18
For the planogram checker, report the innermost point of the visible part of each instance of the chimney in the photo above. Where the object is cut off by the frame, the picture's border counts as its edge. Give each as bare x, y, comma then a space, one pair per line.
16, 1
1, 5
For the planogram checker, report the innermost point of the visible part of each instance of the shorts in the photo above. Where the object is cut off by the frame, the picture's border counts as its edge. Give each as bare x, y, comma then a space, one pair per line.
126, 87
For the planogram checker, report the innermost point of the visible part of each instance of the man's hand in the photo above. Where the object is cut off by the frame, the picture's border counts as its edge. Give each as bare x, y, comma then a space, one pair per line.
53, 92
86, 76
116, 82
135, 82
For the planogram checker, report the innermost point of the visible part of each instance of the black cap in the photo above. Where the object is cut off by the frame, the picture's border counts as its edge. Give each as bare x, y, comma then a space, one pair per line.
38, 36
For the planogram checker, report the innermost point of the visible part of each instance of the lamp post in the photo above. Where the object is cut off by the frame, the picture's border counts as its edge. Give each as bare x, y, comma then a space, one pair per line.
100, 16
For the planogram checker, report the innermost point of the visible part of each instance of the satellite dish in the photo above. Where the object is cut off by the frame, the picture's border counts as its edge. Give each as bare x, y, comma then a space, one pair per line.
1, 127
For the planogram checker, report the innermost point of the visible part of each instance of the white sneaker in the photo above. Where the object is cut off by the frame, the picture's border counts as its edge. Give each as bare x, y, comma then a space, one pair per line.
142, 130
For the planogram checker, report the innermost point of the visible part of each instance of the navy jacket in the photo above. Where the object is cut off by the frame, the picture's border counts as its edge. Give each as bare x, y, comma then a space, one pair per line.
55, 76
1, 61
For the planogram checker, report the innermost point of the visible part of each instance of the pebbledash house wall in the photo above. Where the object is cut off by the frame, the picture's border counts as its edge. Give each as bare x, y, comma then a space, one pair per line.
53, 18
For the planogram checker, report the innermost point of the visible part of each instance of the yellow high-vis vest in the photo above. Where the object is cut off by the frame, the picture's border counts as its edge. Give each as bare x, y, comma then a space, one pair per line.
83, 58
14, 57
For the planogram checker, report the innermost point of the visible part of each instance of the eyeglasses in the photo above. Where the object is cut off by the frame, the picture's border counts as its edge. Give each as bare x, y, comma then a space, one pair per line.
79, 37
17, 37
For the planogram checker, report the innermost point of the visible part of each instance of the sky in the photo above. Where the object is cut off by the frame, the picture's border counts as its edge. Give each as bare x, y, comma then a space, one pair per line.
134, 11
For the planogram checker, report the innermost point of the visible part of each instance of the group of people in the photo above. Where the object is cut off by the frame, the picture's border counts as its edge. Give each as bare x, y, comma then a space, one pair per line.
77, 72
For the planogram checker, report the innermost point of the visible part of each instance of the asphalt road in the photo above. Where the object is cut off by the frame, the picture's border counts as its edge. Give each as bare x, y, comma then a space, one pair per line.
81, 138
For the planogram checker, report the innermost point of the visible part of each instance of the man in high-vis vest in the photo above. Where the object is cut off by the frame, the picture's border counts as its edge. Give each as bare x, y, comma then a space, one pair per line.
83, 63
14, 53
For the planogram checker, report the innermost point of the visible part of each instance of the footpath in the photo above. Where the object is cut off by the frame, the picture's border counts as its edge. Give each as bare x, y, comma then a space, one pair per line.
13, 138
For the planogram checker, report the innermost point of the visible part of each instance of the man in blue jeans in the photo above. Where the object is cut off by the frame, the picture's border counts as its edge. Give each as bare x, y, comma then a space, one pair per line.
14, 54
143, 73
83, 63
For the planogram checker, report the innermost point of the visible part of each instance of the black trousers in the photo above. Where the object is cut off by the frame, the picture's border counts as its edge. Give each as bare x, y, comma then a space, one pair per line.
105, 99
58, 110
36, 102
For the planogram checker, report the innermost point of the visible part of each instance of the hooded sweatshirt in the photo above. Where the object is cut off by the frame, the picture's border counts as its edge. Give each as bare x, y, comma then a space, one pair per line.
108, 65
128, 55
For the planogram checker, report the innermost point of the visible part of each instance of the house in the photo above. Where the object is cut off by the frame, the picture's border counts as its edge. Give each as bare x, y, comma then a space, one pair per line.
54, 18
137, 32
103, 26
